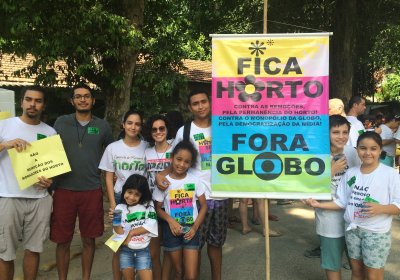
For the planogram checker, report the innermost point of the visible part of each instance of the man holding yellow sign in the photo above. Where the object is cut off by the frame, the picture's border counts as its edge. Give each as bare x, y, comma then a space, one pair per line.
25, 213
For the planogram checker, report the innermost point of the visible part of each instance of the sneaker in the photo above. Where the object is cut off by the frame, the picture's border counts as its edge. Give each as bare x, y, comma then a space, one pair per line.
314, 253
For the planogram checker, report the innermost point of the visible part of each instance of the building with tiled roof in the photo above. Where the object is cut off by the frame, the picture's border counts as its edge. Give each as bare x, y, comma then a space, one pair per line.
196, 71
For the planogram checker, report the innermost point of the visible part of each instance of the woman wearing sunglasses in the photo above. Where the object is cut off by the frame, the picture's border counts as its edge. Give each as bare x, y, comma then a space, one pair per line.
158, 158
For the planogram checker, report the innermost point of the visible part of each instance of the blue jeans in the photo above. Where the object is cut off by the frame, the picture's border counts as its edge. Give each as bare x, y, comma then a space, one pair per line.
138, 259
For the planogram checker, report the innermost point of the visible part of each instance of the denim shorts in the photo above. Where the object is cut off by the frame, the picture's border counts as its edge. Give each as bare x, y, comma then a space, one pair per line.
138, 259
175, 243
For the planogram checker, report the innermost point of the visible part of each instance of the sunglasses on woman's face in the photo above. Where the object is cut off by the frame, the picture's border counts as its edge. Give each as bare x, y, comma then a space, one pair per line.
160, 129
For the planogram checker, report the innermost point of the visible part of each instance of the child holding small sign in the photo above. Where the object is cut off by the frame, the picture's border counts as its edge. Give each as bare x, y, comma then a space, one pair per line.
138, 222
181, 236
370, 195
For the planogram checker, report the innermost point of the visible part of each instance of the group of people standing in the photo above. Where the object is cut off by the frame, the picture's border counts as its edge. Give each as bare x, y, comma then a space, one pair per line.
162, 187
365, 192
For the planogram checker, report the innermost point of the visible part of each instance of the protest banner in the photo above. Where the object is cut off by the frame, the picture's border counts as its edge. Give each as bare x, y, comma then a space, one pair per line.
5, 115
270, 122
45, 157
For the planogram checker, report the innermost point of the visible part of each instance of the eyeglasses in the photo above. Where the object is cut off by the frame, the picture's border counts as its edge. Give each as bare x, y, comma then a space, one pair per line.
160, 129
78, 97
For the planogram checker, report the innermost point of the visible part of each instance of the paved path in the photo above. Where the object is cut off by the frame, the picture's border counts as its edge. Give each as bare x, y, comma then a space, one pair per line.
244, 256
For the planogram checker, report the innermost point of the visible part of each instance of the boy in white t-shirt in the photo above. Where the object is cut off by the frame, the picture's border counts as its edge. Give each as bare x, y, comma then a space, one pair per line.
330, 223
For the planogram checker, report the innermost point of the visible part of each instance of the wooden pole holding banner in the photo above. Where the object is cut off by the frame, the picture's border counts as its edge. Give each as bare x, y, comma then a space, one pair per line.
266, 220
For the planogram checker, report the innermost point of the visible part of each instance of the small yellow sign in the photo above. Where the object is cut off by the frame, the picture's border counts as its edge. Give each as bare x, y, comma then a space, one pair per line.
115, 241
5, 115
45, 157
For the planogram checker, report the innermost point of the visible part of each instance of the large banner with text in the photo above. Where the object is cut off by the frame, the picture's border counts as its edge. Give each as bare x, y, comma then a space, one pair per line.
270, 123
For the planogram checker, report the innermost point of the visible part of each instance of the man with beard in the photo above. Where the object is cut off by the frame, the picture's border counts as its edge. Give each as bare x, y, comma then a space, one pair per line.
25, 213
79, 193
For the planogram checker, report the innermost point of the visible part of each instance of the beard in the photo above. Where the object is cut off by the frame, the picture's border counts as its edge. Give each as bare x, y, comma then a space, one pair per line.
32, 115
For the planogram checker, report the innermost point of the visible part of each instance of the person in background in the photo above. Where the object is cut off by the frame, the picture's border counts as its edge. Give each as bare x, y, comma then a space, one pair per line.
388, 140
336, 107
356, 108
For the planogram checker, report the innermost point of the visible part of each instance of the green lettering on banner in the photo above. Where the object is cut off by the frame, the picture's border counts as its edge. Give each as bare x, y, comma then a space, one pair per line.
199, 136
189, 187
93, 130
351, 181
41, 136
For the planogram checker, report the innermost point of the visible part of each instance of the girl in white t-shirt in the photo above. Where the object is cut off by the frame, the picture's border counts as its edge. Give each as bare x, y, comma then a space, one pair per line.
158, 158
181, 237
370, 195
121, 159
139, 224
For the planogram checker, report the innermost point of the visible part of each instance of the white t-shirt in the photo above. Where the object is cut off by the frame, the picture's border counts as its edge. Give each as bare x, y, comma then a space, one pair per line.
330, 223
387, 134
156, 162
139, 216
382, 185
123, 161
180, 198
397, 134
11, 129
201, 139
356, 128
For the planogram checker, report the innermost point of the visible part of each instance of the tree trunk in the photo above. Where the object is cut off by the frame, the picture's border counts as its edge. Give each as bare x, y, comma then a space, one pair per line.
341, 57
118, 98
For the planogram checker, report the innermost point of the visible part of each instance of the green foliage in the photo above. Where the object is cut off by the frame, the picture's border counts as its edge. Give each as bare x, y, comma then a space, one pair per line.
85, 34
386, 50
390, 90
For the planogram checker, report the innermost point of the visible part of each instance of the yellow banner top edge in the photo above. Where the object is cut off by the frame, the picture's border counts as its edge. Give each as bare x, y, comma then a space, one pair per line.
272, 35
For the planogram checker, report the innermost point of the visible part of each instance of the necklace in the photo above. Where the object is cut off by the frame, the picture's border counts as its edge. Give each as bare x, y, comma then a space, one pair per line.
165, 151
80, 139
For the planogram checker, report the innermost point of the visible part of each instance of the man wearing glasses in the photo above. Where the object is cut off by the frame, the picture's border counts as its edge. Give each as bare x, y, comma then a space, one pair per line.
79, 193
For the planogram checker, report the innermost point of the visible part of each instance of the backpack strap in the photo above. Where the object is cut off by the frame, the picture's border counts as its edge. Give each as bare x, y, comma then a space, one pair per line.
186, 130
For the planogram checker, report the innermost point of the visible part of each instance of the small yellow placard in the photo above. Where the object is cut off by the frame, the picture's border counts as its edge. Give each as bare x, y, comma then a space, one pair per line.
115, 241
5, 115
45, 157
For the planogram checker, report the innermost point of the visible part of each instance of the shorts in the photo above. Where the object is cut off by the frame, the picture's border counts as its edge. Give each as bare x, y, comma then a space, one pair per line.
86, 205
331, 252
371, 247
215, 225
175, 243
138, 259
388, 160
26, 220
